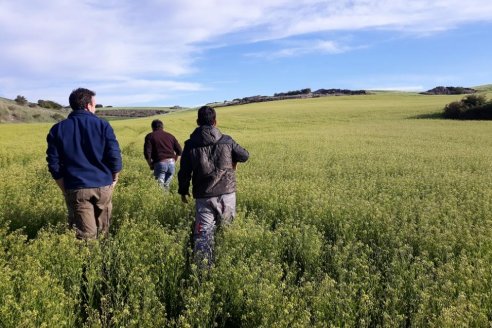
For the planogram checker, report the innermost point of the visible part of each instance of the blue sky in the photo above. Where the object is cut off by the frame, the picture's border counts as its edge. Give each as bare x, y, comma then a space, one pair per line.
188, 53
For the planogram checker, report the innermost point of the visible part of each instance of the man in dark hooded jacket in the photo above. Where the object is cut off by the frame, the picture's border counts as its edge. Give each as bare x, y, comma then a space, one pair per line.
209, 160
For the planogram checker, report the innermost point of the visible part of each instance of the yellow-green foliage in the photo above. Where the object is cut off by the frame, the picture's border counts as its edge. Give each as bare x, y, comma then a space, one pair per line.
352, 211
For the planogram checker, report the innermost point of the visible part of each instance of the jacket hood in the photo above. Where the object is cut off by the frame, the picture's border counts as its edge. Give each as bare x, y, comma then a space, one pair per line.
205, 135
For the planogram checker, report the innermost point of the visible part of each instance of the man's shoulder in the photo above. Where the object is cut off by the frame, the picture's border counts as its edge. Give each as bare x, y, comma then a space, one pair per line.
226, 139
190, 144
60, 125
89, 118
169, 135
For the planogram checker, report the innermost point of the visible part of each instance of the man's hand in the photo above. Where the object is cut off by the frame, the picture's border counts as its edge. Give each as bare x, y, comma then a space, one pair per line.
115, 179
60, 184
151, 166
184, 199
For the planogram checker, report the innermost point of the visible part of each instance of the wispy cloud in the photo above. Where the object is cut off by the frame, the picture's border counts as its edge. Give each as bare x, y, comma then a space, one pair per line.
64, 40
301, 48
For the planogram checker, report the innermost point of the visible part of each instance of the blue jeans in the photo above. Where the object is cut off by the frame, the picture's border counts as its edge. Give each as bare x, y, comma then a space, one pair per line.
163, 172
211, 213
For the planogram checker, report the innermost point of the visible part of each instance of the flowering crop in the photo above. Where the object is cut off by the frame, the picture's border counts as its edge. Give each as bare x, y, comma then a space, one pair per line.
352, 211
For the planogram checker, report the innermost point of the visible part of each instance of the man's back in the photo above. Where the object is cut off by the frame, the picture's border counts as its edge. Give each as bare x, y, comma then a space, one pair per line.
160, 145
208, 158
83, 150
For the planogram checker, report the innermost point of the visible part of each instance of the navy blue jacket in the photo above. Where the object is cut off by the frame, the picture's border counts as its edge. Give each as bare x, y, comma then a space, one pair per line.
83, 150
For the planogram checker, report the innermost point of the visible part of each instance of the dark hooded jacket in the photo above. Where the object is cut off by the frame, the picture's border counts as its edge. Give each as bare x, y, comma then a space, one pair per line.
208, 161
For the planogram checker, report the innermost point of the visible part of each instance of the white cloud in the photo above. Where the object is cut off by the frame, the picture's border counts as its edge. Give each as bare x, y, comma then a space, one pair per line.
117, 91
68, 40
300, 48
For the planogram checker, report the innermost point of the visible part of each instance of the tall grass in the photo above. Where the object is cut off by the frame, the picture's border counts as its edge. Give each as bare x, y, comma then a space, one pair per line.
352, 211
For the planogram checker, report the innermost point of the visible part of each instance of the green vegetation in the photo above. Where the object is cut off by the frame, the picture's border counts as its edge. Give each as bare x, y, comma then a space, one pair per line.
472, 107
122, 113
21, 100
352, 211
49, 104
20, 111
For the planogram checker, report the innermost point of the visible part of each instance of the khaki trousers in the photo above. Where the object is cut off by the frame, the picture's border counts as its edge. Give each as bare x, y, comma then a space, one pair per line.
89, 211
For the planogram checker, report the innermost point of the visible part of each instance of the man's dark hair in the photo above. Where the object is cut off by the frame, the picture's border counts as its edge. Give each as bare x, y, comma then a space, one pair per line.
80, 98
157, 124
206, 116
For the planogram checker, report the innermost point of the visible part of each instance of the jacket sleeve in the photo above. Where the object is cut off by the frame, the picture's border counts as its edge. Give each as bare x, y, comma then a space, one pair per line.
239, 154
177, 148
112, 153
185, 170
148, 149
53, 156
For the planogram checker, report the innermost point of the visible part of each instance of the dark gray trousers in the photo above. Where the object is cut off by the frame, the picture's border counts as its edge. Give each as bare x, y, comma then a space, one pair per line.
211, 213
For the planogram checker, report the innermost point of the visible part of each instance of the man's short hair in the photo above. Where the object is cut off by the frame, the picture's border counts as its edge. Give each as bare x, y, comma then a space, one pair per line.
157, 124
80, 98
206, 116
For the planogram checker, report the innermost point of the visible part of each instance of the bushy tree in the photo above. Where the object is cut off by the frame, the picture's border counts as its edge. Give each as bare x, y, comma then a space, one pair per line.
454, 110
474, 101
471, 107
21, 100
57, 117
49, 104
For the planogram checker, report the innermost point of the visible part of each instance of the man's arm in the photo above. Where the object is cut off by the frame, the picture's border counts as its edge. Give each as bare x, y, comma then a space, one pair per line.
239, 154
112, 153
53, 159
177, 149
61, 185
148, 151
184, 174
115, 179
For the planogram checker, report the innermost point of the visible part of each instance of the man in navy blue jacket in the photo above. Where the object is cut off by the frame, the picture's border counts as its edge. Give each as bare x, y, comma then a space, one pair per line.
84, 159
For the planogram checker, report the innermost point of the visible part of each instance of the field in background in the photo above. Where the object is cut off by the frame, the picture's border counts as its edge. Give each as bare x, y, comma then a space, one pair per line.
352, 211
121, 113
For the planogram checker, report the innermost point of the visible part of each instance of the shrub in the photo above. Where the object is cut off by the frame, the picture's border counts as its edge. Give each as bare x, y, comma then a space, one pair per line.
471, 107
99, 106
474, 101
58, 117
454, 109
49, 104
21, 100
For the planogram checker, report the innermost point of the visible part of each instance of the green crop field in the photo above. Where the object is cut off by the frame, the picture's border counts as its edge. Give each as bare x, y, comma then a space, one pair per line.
365, 211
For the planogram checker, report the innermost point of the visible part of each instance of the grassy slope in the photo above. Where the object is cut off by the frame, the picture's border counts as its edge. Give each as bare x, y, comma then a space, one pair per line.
11, 112
387, 213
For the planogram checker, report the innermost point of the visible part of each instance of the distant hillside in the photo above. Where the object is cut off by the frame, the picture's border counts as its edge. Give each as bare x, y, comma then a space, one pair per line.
119, 113
130, 113
11, 112
484, 88
296, 94
440, 90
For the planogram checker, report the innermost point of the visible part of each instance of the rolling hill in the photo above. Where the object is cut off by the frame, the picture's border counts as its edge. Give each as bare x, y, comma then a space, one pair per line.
11, 112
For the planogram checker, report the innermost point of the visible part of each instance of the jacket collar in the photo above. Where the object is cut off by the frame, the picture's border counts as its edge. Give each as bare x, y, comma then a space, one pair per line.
80, 112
